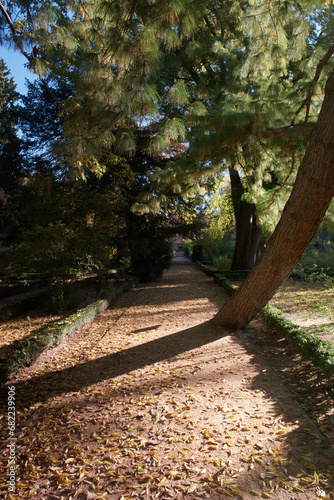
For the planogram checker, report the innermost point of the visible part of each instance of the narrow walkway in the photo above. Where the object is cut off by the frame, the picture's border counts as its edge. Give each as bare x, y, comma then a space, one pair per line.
152, 401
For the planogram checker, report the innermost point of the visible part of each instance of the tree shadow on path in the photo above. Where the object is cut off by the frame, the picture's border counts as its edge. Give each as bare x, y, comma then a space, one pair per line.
122, 362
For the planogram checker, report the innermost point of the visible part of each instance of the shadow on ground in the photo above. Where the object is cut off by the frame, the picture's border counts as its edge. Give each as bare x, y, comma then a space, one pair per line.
108, 411
119, 363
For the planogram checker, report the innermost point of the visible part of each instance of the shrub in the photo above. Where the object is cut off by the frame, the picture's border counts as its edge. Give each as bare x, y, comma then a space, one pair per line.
150, 246
222, 263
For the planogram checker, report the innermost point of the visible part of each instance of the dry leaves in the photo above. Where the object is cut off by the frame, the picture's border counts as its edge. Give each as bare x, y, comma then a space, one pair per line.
207, 422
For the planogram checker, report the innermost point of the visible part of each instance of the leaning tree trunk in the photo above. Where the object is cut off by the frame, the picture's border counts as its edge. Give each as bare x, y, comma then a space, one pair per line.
301, 217
248, 234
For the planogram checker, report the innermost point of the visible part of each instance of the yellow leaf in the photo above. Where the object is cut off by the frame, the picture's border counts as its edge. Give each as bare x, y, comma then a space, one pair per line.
163, 482
311, 467
192, 488
32, 492
255, 493
228, 480
266, 495
305, 480
234, 492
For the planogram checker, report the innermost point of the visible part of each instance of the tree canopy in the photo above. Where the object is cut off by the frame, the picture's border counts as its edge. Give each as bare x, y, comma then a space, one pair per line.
179, 92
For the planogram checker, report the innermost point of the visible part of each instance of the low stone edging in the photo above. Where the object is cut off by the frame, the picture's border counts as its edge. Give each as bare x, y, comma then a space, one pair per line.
25, 351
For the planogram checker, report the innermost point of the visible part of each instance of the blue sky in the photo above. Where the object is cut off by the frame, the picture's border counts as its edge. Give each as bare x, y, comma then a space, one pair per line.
15, 62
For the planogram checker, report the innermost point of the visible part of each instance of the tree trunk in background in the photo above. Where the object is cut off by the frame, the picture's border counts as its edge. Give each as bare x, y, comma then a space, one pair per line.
248, 234
301, 217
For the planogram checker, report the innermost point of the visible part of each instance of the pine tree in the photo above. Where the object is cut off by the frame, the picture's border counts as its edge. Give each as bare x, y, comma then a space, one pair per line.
237, 80
302, 215
10, 159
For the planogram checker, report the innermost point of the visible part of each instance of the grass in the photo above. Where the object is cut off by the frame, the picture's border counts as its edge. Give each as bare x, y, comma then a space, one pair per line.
319, 352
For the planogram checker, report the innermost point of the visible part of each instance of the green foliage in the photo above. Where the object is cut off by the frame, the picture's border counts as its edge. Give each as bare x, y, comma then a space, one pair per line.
317, 263
8, 114
187, 247
218, 215
150, 246
316, 260
222, 263
62, 297
10, 157
219, 76
320, 352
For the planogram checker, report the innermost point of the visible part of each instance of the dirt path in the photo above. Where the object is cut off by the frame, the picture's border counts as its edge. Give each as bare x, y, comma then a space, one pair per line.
152, 401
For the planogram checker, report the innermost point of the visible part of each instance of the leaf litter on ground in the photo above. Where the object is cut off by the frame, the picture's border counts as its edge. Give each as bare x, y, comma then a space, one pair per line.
119, 411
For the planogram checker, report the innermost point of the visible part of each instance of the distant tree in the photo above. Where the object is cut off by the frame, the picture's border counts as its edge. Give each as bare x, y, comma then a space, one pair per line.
9, 142
10, 145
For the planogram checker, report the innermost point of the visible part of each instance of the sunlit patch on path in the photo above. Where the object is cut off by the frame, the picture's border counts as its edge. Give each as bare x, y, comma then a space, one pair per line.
152, 401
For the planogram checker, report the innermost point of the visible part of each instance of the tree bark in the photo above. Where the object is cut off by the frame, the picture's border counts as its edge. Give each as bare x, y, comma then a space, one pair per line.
310, 197
248, 234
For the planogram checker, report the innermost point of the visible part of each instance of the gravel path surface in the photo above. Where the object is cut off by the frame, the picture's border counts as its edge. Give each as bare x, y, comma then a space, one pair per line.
152, 401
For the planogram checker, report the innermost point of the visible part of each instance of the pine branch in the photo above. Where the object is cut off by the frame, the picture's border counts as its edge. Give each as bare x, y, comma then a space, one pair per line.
8, 19
293, 162
106, 128
133, 8
308, 100
209, 25
30, 58
28, 11
301, 129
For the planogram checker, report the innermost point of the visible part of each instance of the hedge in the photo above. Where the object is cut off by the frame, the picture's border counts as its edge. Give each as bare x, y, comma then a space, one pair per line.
319, 352
25, 351
36, 297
